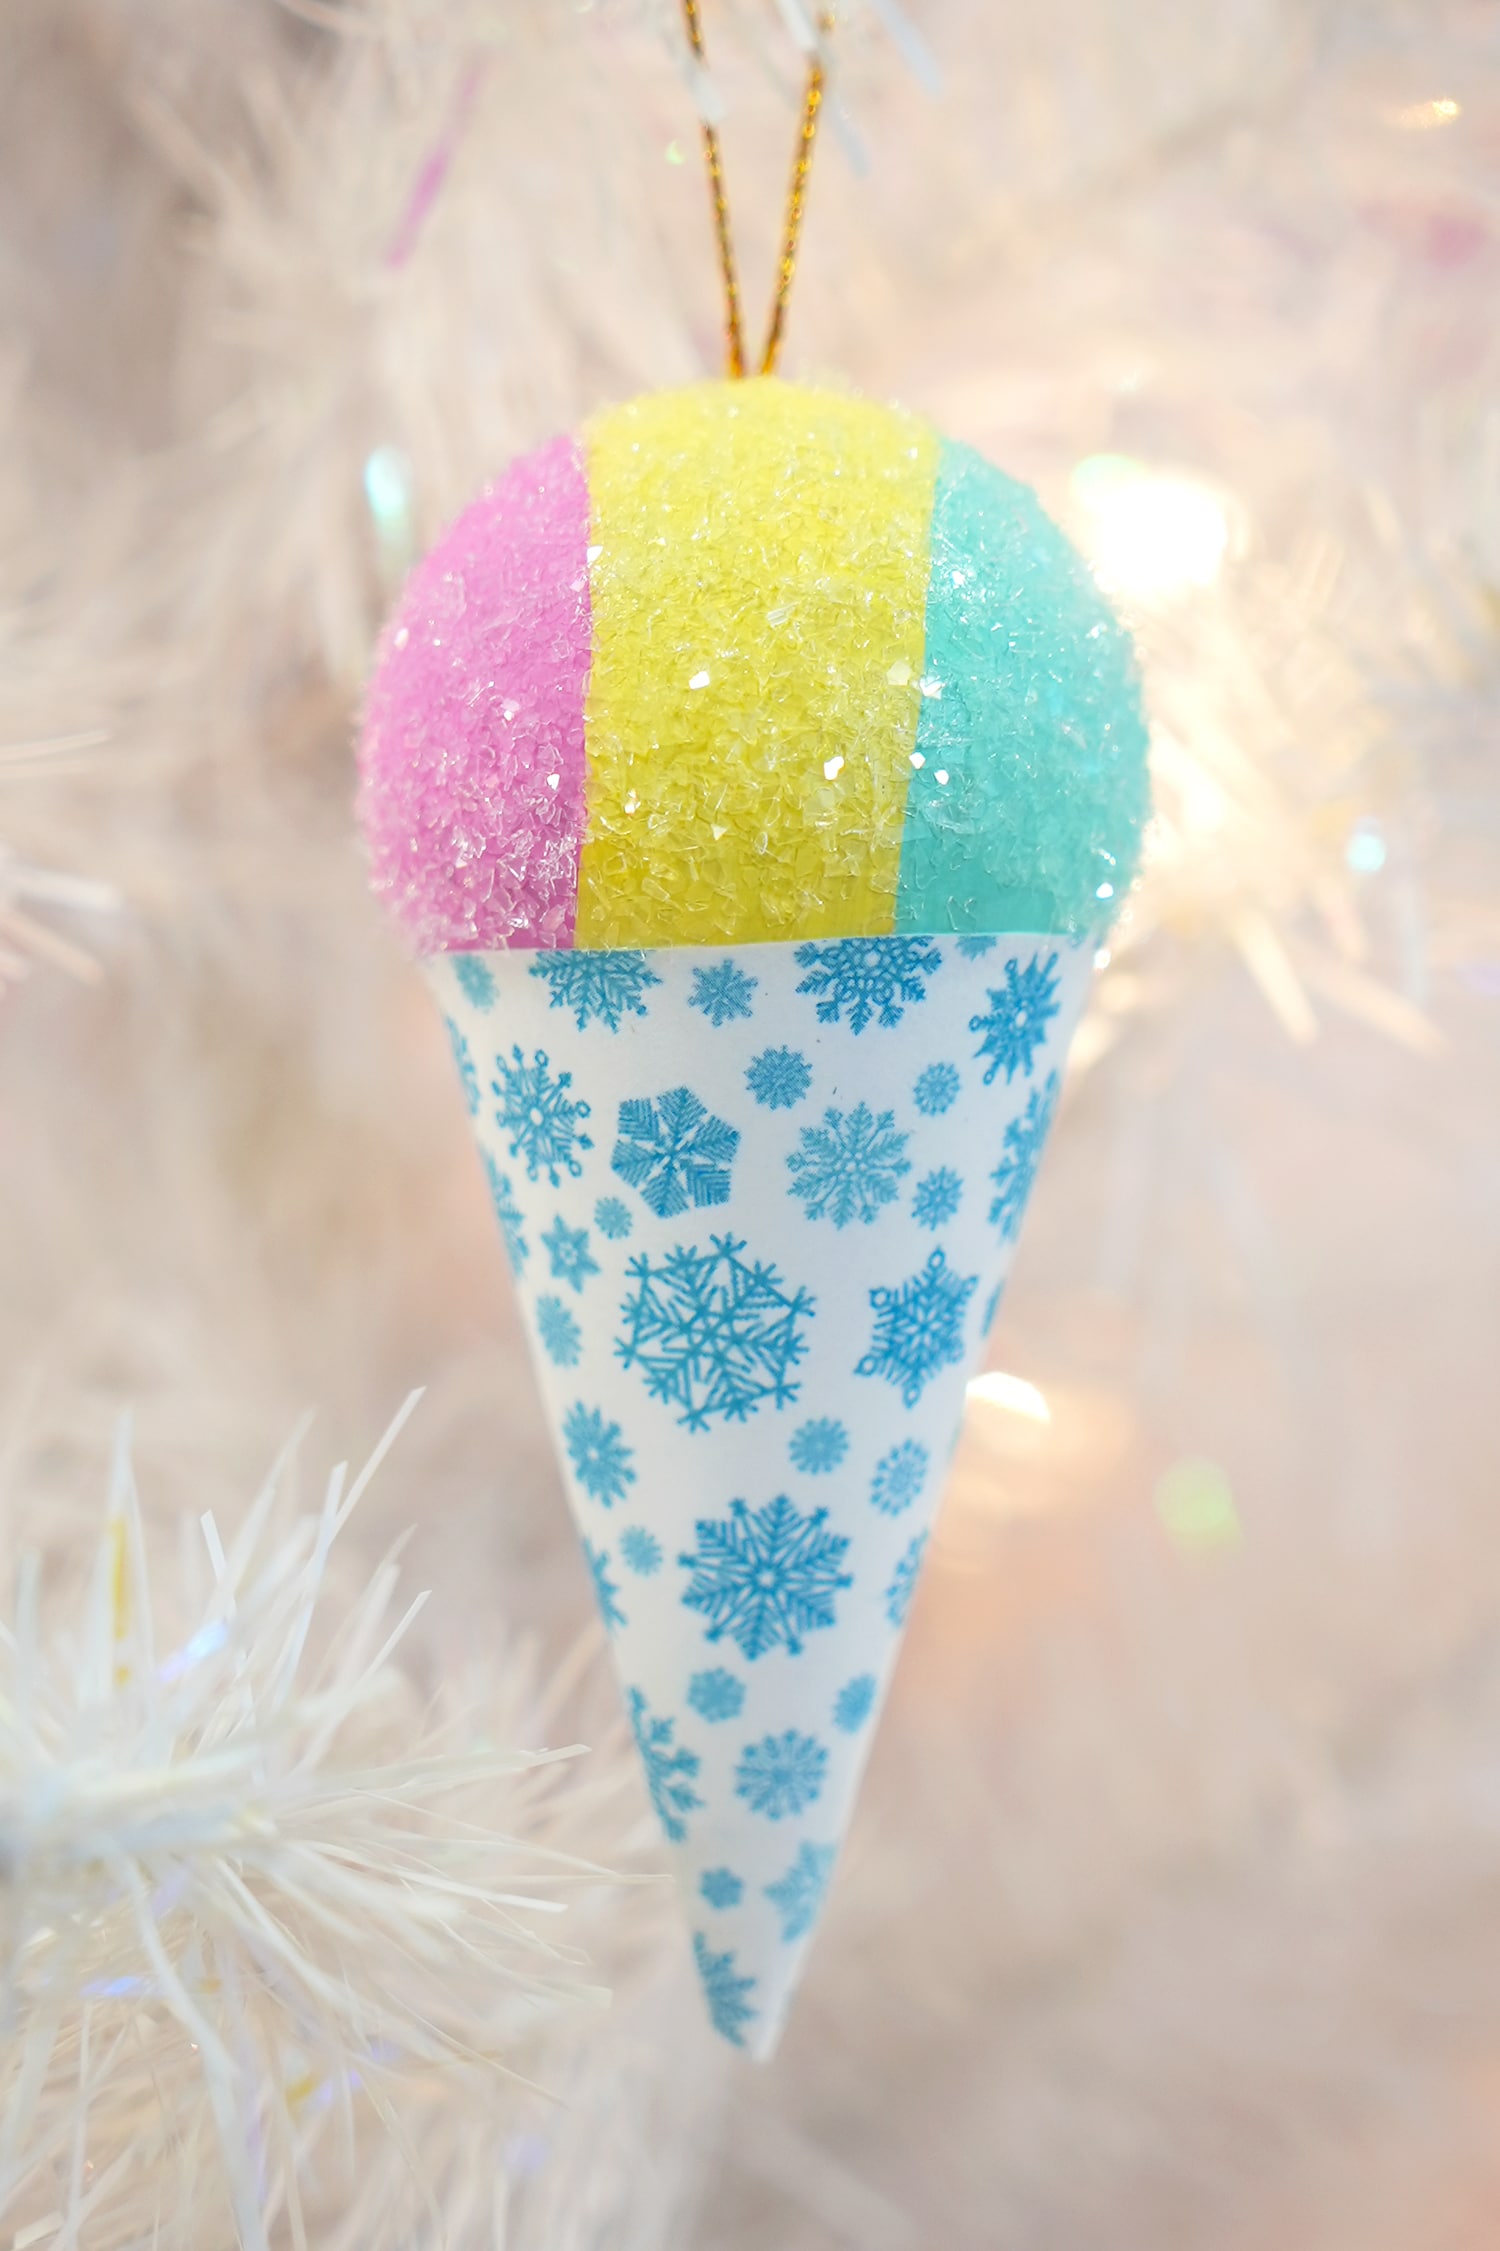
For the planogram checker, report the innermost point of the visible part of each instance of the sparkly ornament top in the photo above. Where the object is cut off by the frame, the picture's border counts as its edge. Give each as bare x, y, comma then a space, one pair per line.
748, 661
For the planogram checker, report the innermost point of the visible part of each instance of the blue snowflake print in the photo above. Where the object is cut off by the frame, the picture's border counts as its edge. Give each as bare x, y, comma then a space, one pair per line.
876, 979
669, 1767
919, 1328
674, 1152
599, 988
903, 1582
537, 1113
937, 1198
899, 1477
852, 1705
712, 1332
507, 1210
765, 1578
973, 949
474, 980
819, 1446
640, 1550
847, 1168
612, 1218
936, 1090
1016, 1025
727, 1996
798, 1895
1016, 1170
779, 1078
561, 1336
781, 1775
602, 1462
716, 1695
568, 1253
468, 1076
721, 1887
991, 1308
605, 1590
722, 993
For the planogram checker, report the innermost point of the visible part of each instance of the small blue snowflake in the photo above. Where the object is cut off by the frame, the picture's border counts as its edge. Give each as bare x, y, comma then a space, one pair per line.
612, 1218
669, 1767
716, 1695
537, 1113
973, 948
874, 978
937, 1198
936, 1090
919, 1328
605, 1590
765, 1578
600, 987
727, 1996
781, 1775
712, 1333
798, 1895
1016, 1025
899, 1477
1016, 1170
903, 1582
640, 1550
568, 1253
468, 1076
847, 1168
721, 1887
472, 973
560, 1334
674, 1152
851, 1706
602, 1462
507, 1210
722, 992
779, 1078
819, 1446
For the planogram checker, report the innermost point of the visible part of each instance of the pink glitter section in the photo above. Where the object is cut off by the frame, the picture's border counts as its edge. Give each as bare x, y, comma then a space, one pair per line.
472, 764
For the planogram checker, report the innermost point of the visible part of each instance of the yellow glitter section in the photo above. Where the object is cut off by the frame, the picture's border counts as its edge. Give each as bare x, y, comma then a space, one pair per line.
758, 578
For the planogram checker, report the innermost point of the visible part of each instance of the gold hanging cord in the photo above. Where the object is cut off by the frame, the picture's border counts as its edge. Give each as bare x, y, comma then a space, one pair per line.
812, 104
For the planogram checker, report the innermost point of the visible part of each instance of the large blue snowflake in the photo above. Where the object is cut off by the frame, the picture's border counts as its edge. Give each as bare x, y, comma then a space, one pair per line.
728, 1996
562, 1339
848, 1167
605, 1590
937, 1198
468, 1077
851, 1706
599, 988
819, 1446
475, 982
716, 1695
539, 1115
640, 1550
904, 1582
936, 1089
712, 1332
765, 1577
568, 1253
722, 992
874, 978
919, 1328
675, 1152
899, 1477
669, 1766
507, 1210
602, 1462
778, 1078
1016, 1170
798, 1894
781, 1775
1019, 1013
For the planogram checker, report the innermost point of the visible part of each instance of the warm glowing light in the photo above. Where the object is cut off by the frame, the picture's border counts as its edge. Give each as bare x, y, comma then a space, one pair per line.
1013, 1394
1421, 117
1150, 534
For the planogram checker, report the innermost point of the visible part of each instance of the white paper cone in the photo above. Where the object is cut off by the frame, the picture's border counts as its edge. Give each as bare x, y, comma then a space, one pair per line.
759, 1204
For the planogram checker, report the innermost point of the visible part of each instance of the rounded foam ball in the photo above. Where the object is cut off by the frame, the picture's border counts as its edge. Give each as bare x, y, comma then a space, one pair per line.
751, 661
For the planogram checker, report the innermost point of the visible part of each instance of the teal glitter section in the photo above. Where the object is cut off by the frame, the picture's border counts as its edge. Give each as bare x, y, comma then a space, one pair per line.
1031, 793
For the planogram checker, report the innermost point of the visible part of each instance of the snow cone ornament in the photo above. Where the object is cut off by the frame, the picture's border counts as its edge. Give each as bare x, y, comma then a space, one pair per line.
755, 773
